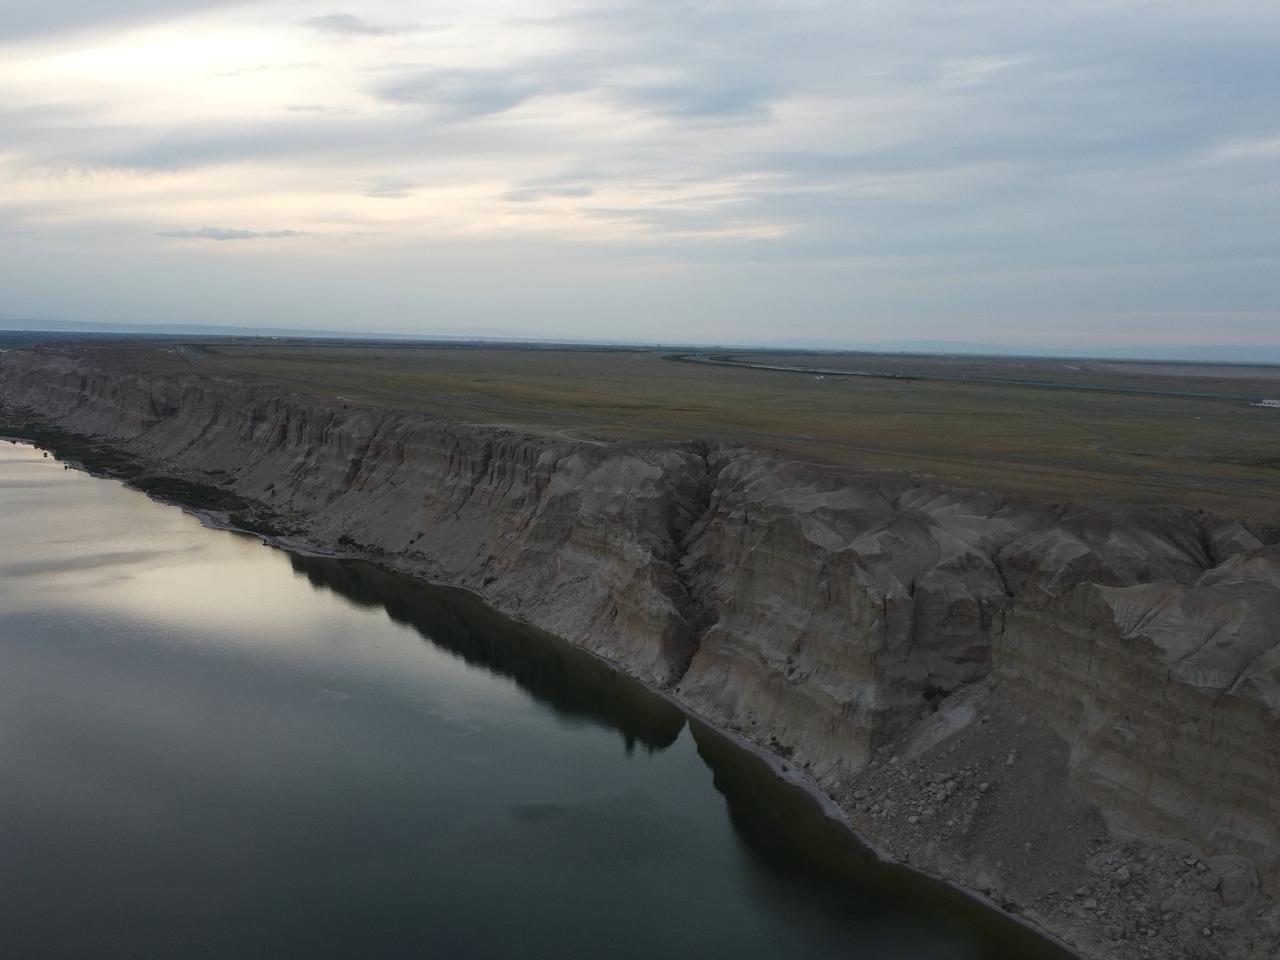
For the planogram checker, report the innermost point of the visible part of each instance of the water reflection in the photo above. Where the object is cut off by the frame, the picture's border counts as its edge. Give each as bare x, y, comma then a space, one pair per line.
571, 682
783, 827
787, 830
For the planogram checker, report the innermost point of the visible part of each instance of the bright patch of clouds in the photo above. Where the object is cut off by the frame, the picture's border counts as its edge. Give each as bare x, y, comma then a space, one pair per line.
225, 233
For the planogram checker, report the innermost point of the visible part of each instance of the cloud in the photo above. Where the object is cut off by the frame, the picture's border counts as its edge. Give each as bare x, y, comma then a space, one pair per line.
388, 187
22, 19
1260, 149
532, 193
463, 93
226, 233
703, 98
349, 25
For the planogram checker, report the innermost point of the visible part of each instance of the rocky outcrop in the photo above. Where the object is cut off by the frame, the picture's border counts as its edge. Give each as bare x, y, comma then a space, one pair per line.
861, 625
844, 608
1169, 696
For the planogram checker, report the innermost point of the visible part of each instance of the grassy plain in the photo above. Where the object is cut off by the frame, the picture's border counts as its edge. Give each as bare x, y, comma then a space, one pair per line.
1206, 379
1130, 448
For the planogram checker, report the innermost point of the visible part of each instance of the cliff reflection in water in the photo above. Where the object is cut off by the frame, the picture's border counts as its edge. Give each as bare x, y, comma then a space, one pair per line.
785, 828
572, 683
780, 826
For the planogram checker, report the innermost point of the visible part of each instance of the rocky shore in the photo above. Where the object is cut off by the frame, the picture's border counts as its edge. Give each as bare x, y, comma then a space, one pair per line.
1073, 710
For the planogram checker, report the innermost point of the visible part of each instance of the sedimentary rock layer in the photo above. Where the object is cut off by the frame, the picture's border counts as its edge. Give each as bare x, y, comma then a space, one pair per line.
830, 616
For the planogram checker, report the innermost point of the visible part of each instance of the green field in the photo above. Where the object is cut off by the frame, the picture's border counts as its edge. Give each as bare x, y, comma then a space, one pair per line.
1059, 443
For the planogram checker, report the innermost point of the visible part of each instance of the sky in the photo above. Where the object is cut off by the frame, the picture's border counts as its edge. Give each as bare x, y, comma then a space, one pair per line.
1075, 174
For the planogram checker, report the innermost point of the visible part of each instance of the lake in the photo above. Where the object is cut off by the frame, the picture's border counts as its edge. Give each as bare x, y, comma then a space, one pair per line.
213, 748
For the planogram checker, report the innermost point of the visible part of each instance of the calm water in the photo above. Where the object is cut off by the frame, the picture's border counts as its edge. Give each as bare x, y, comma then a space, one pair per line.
212, 748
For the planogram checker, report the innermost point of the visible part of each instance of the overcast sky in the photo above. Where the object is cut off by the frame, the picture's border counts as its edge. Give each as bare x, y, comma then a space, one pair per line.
1069, 174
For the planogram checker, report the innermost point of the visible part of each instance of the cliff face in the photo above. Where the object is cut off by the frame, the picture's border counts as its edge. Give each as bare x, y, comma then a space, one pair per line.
843, 607
576, 538
828, 616
1169, 696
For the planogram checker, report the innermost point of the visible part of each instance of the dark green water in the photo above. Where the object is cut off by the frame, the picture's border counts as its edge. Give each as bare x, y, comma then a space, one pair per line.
209, 748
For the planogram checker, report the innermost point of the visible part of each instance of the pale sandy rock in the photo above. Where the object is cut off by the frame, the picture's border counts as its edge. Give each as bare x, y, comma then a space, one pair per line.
1167, 694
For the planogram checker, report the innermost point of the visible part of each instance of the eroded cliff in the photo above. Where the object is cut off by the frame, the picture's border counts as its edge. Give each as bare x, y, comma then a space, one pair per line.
877, 630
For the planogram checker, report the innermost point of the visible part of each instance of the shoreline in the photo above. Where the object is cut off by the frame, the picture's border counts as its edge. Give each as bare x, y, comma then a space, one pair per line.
634, 553
785, 771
